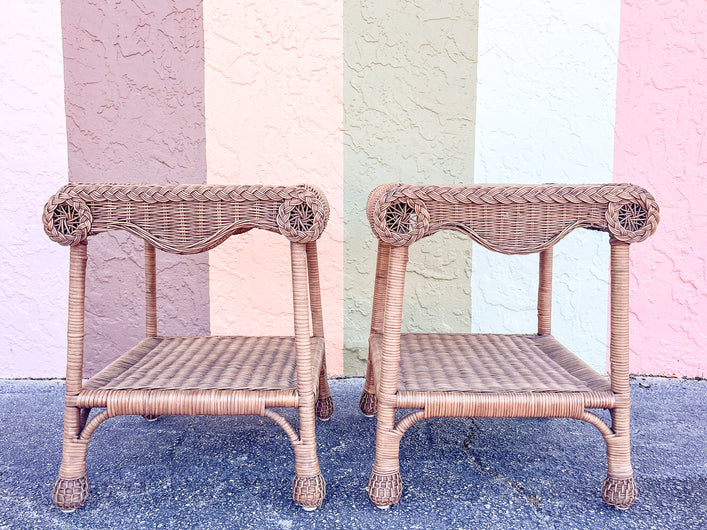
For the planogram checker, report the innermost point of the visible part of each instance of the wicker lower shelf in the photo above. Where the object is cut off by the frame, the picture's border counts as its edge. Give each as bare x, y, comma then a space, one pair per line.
199, 369
488, 363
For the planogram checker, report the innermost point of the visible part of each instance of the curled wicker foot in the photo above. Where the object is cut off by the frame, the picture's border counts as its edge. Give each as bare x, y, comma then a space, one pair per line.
324, 408
309, 492
150, 417
620, 493
70, 494
368, 404
385, 489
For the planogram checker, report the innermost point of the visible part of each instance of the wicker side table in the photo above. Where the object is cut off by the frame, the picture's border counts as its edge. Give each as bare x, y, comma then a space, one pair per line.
195, 375
487, 375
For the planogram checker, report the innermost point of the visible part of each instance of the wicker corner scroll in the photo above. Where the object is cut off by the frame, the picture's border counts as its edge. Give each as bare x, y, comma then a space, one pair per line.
184, 219
513, 219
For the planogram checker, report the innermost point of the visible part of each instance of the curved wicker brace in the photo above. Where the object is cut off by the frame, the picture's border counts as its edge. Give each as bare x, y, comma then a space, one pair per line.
87, 431
408, 421
595, 420
282, 422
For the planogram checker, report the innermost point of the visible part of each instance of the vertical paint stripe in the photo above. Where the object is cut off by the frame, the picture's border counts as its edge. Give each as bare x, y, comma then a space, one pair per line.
409, 99
545, 111
33, 165
135, 113
274, 116
661, 112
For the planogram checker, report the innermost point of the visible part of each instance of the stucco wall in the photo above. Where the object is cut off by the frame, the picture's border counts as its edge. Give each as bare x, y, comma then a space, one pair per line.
266, 104
135, 113
33, 270
660, 144
545, 113
409, 106
274, 116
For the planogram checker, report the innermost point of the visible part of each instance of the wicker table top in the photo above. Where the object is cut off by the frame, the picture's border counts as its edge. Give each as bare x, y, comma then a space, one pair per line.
184, 218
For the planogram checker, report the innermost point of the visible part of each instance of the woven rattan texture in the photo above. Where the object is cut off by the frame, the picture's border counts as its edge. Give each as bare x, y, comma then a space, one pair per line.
511, 219
205, 363
184, 219
487, 363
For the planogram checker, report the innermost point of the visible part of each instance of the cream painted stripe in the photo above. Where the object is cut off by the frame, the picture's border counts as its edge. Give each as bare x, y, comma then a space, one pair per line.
274, 115
545, 113
33, 165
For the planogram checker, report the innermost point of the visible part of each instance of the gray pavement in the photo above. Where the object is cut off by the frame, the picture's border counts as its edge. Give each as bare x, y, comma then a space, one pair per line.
236, 472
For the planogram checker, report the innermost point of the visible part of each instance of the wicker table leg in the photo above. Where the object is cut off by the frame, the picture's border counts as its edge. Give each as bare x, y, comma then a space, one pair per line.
71, 488
385, 486
324, 408
368, 403
308, 488
619, 488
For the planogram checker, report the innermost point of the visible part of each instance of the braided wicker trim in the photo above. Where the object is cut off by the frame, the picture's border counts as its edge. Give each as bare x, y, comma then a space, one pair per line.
632, 214
302, 217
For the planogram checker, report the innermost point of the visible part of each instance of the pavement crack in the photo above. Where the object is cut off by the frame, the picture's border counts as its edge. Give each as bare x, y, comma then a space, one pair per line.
474, 430
469, 443
174, 449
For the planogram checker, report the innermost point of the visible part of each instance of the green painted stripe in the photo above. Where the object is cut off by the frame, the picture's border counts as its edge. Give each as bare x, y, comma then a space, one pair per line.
409, 116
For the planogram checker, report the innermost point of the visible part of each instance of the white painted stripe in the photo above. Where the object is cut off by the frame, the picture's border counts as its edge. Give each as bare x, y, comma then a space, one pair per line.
33, 164
545, 113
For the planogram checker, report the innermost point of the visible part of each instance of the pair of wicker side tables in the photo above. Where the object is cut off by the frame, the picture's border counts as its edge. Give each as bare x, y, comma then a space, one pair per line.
435, 374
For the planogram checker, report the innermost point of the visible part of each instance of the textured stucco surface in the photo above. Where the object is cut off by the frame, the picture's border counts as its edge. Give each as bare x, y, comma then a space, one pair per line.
409, 100
33, 270
134, 75
274, 116
545, 113
661, 110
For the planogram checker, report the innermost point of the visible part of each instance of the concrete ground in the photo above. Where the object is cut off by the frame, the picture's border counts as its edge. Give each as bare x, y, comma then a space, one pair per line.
236, 472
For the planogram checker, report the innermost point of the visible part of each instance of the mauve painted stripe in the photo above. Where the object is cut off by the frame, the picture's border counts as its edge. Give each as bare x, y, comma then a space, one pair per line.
660, 144
135, 113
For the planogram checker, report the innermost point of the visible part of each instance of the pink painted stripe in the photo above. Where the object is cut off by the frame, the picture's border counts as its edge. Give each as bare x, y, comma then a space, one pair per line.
660, 126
